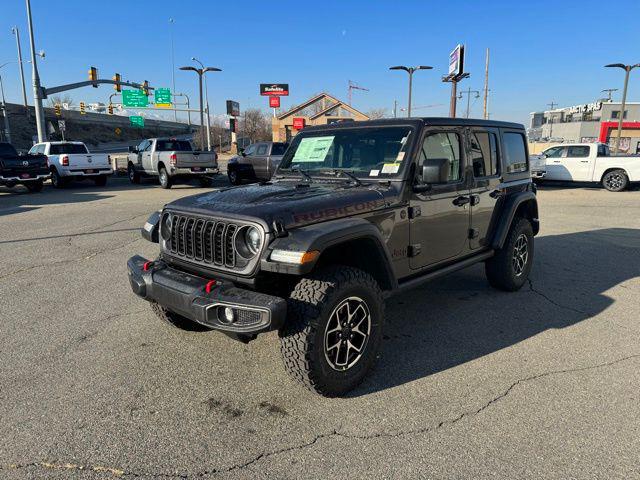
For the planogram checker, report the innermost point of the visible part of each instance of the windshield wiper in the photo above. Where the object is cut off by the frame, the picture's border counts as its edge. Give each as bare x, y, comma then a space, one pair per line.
337, 171
305, 175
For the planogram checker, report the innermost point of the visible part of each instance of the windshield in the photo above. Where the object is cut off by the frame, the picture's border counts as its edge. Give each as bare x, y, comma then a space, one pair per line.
367, 152
69, 148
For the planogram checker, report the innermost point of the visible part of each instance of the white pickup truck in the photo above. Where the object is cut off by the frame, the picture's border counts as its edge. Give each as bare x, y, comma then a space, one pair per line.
170, 159
590, 162
72, 161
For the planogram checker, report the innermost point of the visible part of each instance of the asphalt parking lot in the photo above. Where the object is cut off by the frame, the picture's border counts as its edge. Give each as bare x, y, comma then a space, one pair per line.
471, 383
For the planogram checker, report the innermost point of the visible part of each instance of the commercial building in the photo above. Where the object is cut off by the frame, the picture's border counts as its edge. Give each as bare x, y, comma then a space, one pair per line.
592, 122
319, 110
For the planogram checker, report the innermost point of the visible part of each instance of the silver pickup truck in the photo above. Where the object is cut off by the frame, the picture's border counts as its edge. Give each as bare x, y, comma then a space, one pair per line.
170, 159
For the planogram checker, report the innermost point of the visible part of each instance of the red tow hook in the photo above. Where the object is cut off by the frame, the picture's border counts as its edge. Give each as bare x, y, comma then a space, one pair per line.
209, 286
147, 266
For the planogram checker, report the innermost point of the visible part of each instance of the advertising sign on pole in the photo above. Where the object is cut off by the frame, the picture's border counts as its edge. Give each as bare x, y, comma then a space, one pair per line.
456, 61
274, 102
233, 108
274, 89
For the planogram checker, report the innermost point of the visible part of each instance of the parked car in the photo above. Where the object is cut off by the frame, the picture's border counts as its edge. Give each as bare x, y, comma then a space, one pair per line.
170, 159
256, 163
18, 169
70, 161
591, 162
353, 214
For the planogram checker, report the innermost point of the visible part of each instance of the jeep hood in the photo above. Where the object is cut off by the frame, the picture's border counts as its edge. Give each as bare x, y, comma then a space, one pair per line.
291, 204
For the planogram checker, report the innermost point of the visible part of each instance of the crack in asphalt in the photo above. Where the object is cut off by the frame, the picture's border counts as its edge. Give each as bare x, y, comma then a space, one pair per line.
553, 302
116, 472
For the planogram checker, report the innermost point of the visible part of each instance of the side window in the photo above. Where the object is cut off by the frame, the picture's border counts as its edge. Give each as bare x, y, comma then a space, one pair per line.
33, 150
143, 145
603, 150
148, 147
445, 145
41, 148
515, 153
554, 152
249, 150
578, 151
484, 154
262, 149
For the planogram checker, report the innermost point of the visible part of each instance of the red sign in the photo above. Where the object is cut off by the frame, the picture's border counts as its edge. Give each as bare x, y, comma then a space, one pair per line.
298, 123
274, 102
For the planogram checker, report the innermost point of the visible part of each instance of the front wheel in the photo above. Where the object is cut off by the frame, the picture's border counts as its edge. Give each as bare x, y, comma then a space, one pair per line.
509, 268
165, 181
234, 177
134, 177
333, 330
615, 180
34, 186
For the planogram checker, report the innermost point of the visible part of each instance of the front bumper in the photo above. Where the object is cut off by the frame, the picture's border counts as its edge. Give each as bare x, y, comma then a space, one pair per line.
187, 171
186, 295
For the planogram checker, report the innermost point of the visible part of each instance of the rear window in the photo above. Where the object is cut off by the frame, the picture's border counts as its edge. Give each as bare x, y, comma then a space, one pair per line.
278, 148
67, 148
6, 149
515, 153
173, 146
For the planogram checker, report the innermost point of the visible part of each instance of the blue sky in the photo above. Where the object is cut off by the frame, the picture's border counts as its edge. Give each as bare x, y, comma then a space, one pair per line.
540, 51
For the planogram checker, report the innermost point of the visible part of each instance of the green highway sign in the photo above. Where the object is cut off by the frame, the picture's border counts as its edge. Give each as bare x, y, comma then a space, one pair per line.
163, 97
136, 121
134, 98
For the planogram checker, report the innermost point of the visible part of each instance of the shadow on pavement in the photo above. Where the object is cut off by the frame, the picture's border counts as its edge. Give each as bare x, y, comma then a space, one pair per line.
461, 318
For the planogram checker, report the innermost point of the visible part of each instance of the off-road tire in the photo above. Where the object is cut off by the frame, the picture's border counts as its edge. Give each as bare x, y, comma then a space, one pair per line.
57, 181
100, 180
234, 177
176, 320
134, 177
34, 187
164, 179
205, 182
615, 180
302, 339
500, 269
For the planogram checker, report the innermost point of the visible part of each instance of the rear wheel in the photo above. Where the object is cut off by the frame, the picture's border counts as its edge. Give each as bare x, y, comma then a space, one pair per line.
57, 181
509, 268
176, 320
333, 330
134, 177
101, 180
615, 180
165, 181
34, 186
234, 177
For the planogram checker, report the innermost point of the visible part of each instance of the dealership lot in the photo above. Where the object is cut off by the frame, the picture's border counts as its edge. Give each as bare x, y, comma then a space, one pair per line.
471, 383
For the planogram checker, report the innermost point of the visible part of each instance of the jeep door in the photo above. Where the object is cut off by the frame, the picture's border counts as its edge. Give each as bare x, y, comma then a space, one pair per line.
484, 157
440, 216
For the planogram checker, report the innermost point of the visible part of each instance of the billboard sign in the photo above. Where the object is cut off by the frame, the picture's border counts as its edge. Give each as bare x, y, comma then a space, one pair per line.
274, 102
456, 61
233, 108
274, 89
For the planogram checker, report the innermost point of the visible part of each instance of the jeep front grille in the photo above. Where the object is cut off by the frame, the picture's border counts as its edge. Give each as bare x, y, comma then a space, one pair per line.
202, 240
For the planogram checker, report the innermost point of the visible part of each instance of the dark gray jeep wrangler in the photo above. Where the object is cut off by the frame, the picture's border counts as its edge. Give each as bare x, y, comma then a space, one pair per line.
355, 212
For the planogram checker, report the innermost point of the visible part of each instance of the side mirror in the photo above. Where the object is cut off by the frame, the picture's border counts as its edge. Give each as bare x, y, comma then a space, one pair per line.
241, 152
435, 170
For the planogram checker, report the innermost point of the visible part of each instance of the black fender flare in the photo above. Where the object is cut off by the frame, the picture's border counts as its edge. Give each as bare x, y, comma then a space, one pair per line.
151, 227
322, 236
509, 209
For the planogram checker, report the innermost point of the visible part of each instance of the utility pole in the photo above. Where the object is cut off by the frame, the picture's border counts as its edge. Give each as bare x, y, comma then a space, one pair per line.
410, 71
37, 91
7, 130
173, 69
609, 91
627, 69
468, 92
16, 32
485, 111
552, 105
395, 109
352, 86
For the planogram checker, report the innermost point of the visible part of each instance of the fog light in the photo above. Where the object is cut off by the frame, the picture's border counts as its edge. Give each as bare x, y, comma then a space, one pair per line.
226, 315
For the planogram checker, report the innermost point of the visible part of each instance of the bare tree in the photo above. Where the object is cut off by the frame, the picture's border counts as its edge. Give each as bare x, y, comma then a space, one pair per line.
255, 125
377, 113
59, 99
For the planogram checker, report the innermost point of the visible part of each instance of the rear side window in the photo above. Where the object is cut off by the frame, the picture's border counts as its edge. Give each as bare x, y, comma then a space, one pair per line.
66, 148
173, 146
603, 150
515, 153
484, 154
278, 148
447, 146
578, 151
262, 149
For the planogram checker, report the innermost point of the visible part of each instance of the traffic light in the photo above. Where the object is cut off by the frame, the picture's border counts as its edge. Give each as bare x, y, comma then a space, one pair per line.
117, 87
93, 76
145, 88
110, 109
58, 110
82, 111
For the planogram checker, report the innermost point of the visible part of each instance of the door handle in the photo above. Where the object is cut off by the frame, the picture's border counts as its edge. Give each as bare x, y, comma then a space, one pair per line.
460, 201
496, 194
584, 161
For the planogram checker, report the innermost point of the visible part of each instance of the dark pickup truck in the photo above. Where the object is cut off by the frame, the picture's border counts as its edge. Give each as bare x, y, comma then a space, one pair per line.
28, 170
354, 213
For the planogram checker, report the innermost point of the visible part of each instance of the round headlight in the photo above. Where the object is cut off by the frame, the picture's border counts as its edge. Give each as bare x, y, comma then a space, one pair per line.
165, 226
253, 239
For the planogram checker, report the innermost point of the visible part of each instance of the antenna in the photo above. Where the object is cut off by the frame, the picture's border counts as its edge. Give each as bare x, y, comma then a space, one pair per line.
609, 91
353, 86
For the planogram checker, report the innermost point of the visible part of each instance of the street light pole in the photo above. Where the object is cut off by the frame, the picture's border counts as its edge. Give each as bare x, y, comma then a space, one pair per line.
173, 70
16, 32
201, 72
206, 99
37, 90
410, 71
627, 69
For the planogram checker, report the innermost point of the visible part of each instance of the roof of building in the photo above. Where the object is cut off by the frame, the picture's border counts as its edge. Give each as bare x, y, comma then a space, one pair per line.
336, 103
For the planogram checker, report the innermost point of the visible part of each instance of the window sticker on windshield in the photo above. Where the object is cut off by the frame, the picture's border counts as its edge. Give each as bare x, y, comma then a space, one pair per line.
313, 149
390, 168
400, 156
374, 173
